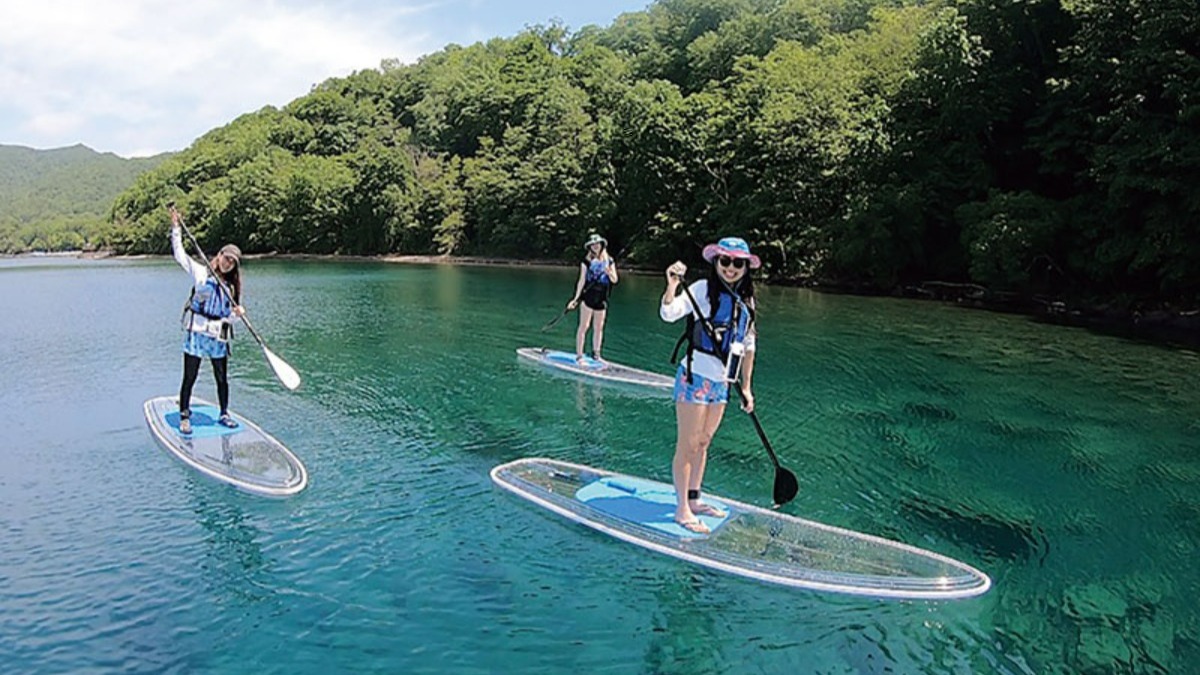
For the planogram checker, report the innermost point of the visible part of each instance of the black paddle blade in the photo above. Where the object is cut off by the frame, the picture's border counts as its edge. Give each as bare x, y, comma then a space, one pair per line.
786, 486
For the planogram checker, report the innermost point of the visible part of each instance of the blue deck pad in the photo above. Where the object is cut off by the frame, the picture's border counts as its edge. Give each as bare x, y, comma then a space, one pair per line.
204, 423
569, 359
645, 502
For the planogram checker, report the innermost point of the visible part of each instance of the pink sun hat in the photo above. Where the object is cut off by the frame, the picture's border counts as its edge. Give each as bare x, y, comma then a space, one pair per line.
734, 247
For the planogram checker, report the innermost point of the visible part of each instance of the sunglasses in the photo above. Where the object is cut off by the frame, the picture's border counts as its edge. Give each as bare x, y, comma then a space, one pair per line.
726, 261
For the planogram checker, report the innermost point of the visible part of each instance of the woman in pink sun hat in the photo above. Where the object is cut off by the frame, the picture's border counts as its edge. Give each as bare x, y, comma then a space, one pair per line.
726, 299
597, 276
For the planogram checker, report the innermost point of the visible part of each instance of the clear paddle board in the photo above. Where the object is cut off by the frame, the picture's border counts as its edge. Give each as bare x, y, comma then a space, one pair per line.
602, 370
246, 456
748, 541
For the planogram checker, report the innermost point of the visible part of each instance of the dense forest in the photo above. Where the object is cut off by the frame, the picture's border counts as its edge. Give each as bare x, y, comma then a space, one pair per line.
1038, 147
61, 199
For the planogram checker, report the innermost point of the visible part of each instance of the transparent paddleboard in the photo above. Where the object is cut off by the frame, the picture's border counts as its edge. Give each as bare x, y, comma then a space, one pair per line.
246, 456
750, 541
602, 370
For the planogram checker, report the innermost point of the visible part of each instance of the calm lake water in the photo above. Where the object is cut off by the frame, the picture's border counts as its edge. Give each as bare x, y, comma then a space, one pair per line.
1063, 463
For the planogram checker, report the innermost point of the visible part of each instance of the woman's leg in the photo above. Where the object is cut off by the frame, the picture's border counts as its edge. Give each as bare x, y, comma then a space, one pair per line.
691, 422
585, 319
598, 332
716, 412
221, 373
191, 368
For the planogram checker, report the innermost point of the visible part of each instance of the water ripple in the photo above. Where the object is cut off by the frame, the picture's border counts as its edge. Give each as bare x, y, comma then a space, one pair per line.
1062, 463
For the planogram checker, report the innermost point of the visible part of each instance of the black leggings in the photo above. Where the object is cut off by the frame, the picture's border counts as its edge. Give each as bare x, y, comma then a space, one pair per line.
191, 369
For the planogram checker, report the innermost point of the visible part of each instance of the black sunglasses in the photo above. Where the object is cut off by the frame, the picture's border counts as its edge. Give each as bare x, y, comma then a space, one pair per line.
726, 261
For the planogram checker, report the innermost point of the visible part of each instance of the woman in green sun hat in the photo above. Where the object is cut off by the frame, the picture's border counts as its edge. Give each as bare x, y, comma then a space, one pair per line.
597, 276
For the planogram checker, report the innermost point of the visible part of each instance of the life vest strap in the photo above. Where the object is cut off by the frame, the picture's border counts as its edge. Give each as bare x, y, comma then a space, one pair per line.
691, 337
224, 332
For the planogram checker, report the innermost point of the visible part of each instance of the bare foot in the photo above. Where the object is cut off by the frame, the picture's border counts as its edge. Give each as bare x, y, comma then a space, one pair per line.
702, 509
692, 524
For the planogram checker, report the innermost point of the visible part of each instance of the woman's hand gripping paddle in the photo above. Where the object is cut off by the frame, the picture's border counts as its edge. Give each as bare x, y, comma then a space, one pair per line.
786, 485
286, 374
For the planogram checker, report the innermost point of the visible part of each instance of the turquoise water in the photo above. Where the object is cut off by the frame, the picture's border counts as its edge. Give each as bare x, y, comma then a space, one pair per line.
1063, 463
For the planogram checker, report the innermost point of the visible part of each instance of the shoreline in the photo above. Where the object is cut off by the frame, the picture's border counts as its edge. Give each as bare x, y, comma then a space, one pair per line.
480, 261
1168, 327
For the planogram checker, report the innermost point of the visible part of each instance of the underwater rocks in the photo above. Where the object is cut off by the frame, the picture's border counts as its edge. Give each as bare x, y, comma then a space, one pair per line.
1120, 627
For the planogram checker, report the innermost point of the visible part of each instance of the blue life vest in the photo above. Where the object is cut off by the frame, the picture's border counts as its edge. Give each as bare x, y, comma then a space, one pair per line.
211, 302
731, 323
208, 310
597, 273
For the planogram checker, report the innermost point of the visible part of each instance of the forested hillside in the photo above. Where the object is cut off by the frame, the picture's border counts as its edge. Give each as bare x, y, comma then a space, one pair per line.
61, 199
1038, 147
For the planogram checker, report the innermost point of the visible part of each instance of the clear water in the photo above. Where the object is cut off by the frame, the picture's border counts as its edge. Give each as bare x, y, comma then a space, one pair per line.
1063, 463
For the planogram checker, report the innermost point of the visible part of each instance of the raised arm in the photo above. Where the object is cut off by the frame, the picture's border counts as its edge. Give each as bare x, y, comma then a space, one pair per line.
675, 306
198, 272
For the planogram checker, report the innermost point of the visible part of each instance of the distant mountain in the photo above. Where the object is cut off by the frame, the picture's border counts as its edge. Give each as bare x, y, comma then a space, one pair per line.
59, 199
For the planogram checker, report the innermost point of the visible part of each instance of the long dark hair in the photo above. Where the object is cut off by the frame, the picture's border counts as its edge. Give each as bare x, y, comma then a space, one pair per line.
234, 278
234, 281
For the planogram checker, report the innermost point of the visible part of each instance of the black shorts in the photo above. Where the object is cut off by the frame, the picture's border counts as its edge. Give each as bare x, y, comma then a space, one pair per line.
596, 298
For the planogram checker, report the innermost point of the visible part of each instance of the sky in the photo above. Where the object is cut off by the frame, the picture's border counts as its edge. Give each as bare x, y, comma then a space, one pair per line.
139, 77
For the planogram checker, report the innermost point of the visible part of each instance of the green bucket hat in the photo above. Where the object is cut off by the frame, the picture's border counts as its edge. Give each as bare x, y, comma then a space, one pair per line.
596, 239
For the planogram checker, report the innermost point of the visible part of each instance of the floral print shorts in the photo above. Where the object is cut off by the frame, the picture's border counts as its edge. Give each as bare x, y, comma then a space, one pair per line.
700, 390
